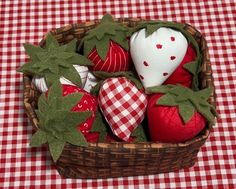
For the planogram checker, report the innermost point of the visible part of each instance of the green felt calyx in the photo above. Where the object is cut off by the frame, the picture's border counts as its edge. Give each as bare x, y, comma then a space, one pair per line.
54, 61
57, 124
187, 101
105, 75
100, 37
193, 67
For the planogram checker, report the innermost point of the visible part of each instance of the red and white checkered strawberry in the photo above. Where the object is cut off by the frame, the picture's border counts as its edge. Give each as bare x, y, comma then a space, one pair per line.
107, 46
123, 105
157, 56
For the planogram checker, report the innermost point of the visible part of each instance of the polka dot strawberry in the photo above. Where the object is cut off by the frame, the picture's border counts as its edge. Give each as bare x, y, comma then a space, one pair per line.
107, 46
163, 51
123, 106
178, 115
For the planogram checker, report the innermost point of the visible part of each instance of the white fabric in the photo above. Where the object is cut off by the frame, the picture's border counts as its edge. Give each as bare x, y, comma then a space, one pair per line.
158, 66
90, 82
41, 85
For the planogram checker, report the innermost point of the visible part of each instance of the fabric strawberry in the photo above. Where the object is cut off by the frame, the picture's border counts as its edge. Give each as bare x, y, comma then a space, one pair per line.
65, 114
159, 48
86, 103
178, 115
107, 46
181, 75
123, 105
55, 62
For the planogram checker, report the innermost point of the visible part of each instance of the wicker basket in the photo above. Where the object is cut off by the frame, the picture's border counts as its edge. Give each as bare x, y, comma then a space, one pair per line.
103, 160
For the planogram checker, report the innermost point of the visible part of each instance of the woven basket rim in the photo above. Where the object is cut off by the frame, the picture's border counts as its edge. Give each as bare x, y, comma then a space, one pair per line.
148, 144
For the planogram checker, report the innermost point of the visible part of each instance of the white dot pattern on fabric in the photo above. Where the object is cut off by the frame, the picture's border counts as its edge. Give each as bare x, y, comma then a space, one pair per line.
157, 56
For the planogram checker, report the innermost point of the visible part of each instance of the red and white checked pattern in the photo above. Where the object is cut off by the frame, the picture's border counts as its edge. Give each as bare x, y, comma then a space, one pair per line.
27, 21
122, 105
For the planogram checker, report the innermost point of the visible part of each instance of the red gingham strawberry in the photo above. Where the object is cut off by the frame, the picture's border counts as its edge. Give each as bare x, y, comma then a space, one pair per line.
122, 105
107, 46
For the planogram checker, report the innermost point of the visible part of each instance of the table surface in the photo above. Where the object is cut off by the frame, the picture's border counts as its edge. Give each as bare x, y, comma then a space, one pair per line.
27, 21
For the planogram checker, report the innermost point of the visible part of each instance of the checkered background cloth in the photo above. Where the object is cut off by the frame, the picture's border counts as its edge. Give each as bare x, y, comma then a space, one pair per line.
27, 20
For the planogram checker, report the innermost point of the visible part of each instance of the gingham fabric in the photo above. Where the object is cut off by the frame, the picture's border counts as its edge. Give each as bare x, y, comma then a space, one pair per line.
26, 21
122, 105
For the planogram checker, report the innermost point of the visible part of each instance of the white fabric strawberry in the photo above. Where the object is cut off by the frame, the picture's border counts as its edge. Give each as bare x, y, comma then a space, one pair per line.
156, 56
41, 85
123, 105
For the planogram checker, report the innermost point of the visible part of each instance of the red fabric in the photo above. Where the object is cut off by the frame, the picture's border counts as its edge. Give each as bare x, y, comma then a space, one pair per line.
87, 103
166, 125
181, 75
117, 59
27, 21
123, 106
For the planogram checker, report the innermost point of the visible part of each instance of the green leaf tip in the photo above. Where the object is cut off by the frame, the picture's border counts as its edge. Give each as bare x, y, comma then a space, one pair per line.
187, 101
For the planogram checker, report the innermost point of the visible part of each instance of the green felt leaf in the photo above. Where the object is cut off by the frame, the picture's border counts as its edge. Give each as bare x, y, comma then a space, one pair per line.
99, 126
96, 88
139, 134
160, 89
76, 138
76, 118
28, 69
151, 28
32, 50
206, 112
78, 59
102, 48
50, 39
71, 46
39, 138
55, 91
186, 111
56, 147
50, 78
191, 67
42, 102
104, 32
71, 100
167, 100
72, 75
205, 93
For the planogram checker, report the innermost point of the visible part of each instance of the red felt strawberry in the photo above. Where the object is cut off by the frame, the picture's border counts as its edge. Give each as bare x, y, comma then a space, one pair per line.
107, 46
179, 115
87, 102
123, 105
181, 75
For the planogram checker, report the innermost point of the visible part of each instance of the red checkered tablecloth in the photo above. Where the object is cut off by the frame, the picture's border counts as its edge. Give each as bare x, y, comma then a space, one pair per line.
27, 20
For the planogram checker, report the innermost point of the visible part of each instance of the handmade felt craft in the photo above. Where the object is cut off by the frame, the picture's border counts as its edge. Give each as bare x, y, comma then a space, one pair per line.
63, 115
178, 115
41, 85
107, 46
123, 105
54, 61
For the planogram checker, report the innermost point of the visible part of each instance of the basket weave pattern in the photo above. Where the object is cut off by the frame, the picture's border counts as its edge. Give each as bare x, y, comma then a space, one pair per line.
102, 160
